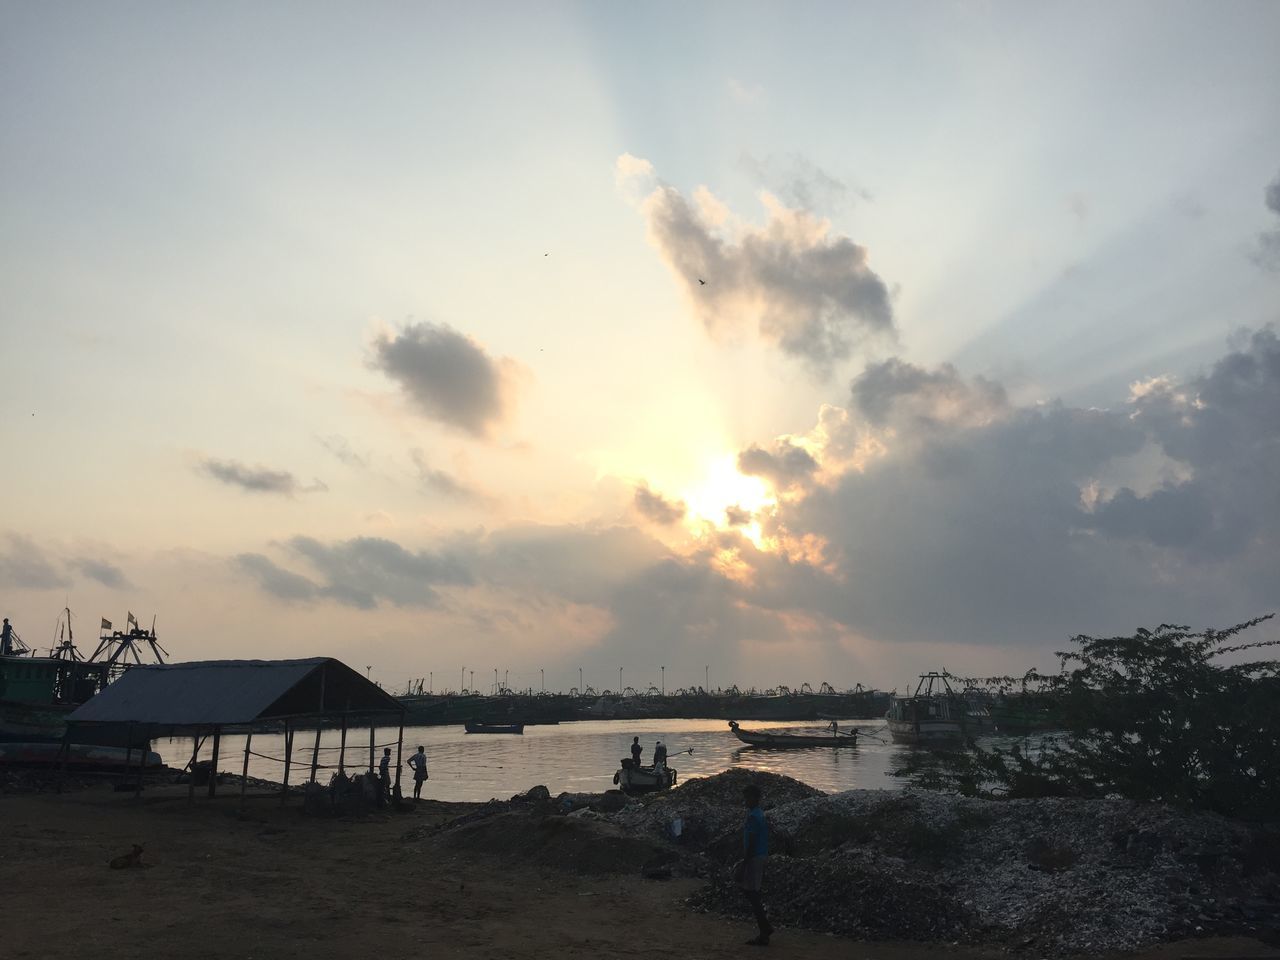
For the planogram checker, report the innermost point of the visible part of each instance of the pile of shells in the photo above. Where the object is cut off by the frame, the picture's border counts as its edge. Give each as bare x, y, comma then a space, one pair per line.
1059, 875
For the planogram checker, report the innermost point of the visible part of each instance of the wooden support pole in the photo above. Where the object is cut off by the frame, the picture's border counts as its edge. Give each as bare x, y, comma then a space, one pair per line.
288, 757
191, 781
342, 750
142, 767
213, 764
128, 752
315, 756
399, 752
371, 748
244, 771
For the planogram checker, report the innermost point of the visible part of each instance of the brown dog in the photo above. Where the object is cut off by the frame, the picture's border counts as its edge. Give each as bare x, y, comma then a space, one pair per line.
131, 859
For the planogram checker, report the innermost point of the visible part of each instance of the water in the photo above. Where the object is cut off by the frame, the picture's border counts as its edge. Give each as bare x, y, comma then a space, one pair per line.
575, 757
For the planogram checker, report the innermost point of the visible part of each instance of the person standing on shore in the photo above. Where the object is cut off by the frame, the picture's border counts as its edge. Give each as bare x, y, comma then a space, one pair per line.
750, 870
384, 772
418, 762
636, 751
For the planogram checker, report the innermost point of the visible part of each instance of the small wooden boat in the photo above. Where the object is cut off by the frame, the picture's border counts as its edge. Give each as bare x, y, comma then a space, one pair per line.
933, 716
475, 726
636, 779
789, 740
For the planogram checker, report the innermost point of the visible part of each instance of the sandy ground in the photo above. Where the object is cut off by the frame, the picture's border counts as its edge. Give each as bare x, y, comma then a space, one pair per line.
274, 884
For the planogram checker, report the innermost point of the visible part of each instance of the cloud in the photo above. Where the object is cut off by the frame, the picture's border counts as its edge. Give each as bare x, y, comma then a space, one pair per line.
107, 574
364, 571
341, 450
902, 395
256, 479
786, 465
24, 565
800, 183
438, 481
447, 376
796, 283
275, 580
736, 516
1268, 253
657, 508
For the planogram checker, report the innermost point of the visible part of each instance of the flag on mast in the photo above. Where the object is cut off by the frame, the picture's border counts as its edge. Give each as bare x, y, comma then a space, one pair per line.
106, 624
132, 621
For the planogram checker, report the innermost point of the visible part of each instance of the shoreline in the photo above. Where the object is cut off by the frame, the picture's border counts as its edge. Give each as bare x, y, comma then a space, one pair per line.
538, 876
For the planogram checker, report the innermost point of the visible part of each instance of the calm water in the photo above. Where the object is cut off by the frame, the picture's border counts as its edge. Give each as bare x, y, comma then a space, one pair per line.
577, 757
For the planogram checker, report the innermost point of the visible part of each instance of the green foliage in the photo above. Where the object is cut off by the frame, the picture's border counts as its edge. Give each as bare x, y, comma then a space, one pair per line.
1154, 717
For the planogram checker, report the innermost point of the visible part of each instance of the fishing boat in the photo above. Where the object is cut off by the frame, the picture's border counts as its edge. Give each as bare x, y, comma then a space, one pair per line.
632, 778
475, 726
789, 740
77, 756
933, 716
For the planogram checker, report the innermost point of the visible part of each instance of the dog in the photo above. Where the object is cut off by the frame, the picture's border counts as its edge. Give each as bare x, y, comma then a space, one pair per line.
126, 860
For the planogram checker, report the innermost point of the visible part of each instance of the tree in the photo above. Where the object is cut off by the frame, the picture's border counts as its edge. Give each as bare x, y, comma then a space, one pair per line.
1155, 716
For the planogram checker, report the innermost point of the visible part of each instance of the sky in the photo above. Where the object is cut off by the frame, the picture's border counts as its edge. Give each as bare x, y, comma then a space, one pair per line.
757, 343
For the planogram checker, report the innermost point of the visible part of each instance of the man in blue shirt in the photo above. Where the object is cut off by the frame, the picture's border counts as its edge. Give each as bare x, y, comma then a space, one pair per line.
750, 872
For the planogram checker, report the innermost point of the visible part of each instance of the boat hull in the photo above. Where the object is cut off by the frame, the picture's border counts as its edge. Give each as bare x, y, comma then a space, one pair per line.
631, 779
79, 756
925, 732
512, 728
790, 741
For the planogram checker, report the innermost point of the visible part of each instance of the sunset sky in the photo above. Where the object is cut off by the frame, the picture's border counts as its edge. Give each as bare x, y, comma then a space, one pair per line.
799, 342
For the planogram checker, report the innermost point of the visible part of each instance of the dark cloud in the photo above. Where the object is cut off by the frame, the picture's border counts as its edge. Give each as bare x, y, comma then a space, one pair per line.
363, 571
657, 508
1268, 254
440, 482
107, 574
341, 449
24, 565
786, 465
900, 394
804, 288
275, 580
736, 516
256, 479
447, 376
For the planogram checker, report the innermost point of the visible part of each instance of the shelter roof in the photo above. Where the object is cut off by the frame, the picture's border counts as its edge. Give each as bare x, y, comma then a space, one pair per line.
230, 692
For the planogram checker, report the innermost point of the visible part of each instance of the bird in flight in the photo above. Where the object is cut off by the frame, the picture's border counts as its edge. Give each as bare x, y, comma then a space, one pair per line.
702, 282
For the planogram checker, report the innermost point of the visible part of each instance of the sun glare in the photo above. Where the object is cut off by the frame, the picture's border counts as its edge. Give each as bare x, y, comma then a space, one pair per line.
722, 487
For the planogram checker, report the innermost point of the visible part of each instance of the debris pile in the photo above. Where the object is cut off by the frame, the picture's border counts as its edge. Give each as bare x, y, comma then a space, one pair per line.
1066, 875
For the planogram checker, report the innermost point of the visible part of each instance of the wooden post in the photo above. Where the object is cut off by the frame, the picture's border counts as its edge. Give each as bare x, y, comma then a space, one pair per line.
315, 755
64, 758
342, 751
399, 751
288, 756
191, 781
213, 764
142, 767
244, 771
128, 751
371, 748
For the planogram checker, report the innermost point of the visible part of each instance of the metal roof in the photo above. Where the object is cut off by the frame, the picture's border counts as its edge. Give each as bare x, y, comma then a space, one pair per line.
226, 692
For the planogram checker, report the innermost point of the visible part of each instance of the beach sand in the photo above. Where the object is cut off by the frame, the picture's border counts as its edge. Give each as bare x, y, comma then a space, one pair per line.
276, 884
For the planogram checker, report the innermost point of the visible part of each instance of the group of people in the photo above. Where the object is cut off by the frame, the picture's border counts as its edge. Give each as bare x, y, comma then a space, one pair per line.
417, 763
659, 753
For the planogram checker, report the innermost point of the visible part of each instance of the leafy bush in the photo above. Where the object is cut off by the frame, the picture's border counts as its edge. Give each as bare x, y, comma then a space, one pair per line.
1154, 717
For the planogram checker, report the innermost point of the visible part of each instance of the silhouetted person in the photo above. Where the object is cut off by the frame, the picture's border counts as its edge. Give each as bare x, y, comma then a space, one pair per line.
636, 751
419, 764
384, 772
750, 872
6, 638
659, 755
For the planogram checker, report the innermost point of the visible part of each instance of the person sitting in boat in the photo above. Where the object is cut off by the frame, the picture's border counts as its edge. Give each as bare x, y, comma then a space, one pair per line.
835, 728
659, 756
636, 751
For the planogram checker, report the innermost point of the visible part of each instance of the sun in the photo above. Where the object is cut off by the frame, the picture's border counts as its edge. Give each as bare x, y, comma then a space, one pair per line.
720, 487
